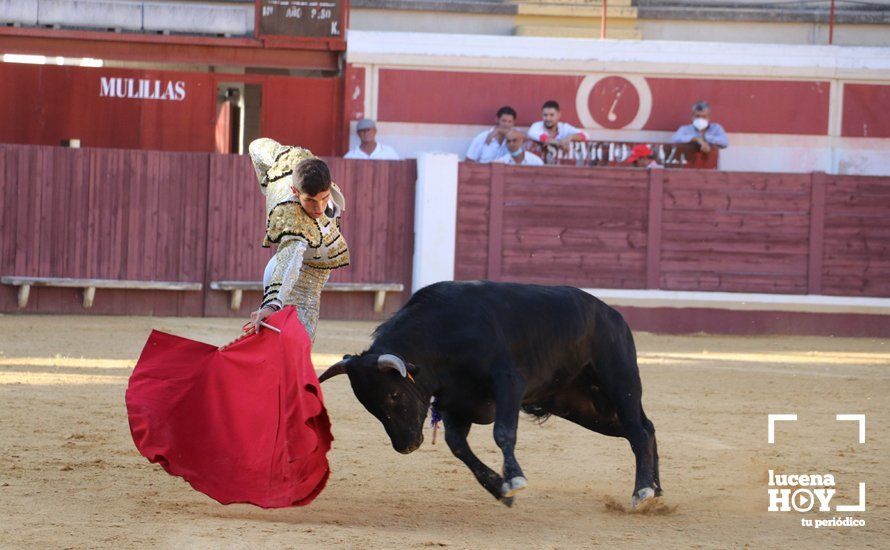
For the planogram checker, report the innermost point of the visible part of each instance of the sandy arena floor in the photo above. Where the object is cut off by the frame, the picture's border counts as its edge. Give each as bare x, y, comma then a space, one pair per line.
71, 477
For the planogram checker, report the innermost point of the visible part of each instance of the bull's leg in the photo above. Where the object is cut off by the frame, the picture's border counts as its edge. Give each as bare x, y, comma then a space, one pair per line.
642, 441
456, 431
647, 424
590, 409
508, 389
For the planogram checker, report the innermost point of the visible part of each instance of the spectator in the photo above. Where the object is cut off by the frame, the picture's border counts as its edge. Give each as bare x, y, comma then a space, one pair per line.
642, 156
369, 148
491, 145
517, 155
702, 131
550, 129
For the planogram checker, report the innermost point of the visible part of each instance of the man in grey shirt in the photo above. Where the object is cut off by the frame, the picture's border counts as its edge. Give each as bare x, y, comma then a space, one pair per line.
702, 131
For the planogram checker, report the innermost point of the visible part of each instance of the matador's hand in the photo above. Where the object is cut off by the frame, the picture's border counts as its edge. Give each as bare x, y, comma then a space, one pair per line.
256, 318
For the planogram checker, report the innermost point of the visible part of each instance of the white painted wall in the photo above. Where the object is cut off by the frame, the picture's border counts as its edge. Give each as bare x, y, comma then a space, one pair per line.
435, 219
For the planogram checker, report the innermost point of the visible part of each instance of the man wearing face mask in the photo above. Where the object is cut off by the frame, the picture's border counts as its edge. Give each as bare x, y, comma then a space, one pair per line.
517, 155
702, 131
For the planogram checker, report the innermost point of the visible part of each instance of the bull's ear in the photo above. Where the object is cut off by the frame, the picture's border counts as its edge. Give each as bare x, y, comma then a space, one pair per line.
337, 368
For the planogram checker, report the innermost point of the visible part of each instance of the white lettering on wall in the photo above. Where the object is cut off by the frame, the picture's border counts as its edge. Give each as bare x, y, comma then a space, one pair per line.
140, 88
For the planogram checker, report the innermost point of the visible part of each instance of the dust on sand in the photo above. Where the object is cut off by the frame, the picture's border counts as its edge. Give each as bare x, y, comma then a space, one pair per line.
71, 477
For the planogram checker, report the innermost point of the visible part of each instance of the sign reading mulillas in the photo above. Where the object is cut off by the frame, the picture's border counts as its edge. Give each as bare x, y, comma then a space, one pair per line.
141, 88
301, 18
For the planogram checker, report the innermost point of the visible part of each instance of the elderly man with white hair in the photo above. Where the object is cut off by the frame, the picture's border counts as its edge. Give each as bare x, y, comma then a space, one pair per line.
702, 131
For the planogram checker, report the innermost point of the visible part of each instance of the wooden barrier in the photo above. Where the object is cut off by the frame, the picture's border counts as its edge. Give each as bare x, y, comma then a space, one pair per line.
103, 214
179, 218
695, 230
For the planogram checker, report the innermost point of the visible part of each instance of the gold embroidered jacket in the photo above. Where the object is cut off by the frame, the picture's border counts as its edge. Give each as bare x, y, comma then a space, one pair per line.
308, 249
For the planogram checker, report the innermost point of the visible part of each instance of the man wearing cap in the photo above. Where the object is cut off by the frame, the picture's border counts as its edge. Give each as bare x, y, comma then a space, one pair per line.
369, 148
642, 156
702, 131
517, 155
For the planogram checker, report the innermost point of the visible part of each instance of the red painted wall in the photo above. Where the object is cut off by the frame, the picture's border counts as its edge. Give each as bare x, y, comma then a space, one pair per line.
866, 112
305, 111
748, 106
45, 104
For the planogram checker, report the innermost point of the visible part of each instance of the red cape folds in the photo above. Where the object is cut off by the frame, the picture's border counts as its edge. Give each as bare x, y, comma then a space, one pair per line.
242, 425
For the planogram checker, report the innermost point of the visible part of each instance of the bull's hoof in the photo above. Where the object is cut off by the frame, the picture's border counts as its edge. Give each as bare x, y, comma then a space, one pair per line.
513, 486
507, 501
642, 495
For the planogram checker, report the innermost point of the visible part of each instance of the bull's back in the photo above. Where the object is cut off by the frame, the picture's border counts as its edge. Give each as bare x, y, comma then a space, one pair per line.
539, 326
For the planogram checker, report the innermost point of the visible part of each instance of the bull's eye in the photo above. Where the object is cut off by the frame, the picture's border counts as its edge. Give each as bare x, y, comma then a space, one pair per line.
393, 396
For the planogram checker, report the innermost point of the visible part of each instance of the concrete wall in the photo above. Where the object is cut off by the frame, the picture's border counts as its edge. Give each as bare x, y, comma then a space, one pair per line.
140, 16
763, 32
430, 21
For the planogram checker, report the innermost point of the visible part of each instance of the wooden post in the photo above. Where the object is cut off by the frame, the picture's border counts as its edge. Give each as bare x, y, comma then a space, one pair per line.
24, 292
89, 294
235, 302
653, 232
495, 221
379, 298
817, 232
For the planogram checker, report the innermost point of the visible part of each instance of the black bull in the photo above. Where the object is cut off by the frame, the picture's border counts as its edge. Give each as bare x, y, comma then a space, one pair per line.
486, 350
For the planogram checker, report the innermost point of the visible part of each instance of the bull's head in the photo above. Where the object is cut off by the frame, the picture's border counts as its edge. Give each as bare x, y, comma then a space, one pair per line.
386, 386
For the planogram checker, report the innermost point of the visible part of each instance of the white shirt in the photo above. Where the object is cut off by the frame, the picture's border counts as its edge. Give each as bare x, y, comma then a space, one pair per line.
381, 152
480, 151
530, 159
563, 130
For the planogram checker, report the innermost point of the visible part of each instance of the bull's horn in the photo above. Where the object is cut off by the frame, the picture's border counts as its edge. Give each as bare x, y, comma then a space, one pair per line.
392, 362
337, 368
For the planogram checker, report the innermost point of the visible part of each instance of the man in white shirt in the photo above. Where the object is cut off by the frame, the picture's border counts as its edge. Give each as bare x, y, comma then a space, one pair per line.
369, 149
550, 129
491, 144
517, 155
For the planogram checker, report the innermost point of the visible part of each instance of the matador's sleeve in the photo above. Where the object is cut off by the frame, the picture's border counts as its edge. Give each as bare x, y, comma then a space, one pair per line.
263, 153
293, 231
289, 261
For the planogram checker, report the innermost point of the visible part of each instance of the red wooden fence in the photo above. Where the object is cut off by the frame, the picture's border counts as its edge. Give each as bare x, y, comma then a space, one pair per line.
148, 215
675, 229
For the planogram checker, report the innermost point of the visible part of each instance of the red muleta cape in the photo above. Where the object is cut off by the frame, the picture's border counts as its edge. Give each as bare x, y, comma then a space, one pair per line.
242, 425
